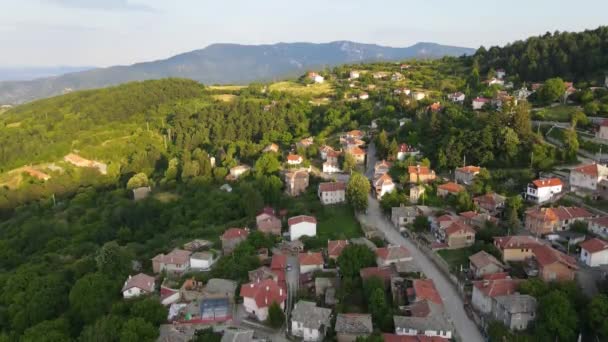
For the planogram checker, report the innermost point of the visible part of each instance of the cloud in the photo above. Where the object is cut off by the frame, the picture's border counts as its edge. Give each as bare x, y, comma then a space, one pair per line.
106, 5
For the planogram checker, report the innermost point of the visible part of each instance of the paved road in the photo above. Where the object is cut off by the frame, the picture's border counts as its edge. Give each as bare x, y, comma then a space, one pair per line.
454, 305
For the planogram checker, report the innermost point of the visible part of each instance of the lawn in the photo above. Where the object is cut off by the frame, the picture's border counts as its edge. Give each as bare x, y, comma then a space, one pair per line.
225, 97
227, 87
560, 113
338, 222
314, 90
456, 257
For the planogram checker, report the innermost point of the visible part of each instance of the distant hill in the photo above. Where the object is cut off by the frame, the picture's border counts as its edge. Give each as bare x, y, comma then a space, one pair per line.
225, 64
30, 73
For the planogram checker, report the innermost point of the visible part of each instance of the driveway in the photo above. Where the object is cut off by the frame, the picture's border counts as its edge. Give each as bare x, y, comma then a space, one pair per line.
292, 279
371, 160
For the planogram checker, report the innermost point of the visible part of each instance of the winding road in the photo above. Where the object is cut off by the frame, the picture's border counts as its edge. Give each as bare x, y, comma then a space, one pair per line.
454, 306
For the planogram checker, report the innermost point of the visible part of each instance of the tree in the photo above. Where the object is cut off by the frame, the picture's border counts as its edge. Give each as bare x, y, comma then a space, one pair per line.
207, 335
580, 227
276, 316
172, 170
105, 329
353, 258
513, 205
48, 331
378, 307
357, 190
382, 145
393, 148
421, 224
571, 144
510, 142
598, 312
463, 201
521, 120
91, 296
552, 90
113, 261
137, 329
267, 164
557, 317
251, 200
151, 310
137, 181
349, 163
578, 117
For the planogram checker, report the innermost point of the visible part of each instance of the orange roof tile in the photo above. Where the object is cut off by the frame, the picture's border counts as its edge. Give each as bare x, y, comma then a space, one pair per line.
310, 258
264, 292
451, 187
425, 290
594, 245
543, 183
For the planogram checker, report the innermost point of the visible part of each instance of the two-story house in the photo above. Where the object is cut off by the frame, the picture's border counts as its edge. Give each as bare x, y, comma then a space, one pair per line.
137, 285
587, 177
543, 190
332, 192
302, 225
296, 182
259, 296
310, 322
542, 221
176, 261
594, 252
232, 237
466, 174
420, 174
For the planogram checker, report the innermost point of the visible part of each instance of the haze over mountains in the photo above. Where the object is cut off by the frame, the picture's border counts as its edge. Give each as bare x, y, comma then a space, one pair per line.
225, 64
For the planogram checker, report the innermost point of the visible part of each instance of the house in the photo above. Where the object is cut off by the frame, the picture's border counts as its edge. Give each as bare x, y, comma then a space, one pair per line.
490, 203
310, 262
294, 159
420, 174
354, 74
363, 96
405, 151
310, 322
587, 177
202, 261
396, 77
543, 190
232, 237
332, 192
296, 182
196, 244
404, 91
477, 220
218, 288
238, 171
554, 265
335, 248
459, 235
302, 225
382, 167
355, 134
357, 153
316, 78
386, 256
501, 73
427, 315
522, 94
263, 273
434, 107
384, 273
599, 226
271, 148
404, 215
416, 191
490, 287
517, 248
268, 223
449, 188
177, 261
324, 150
137, 285
278, 265
466, 174
259, 296
501, 98
496, 81
305, 143
331, 167
479, 102
602, 131
383, 185
483, 263
141, 193
515, 311
594, 252
457, 97
350, 326
418, 95
542, 221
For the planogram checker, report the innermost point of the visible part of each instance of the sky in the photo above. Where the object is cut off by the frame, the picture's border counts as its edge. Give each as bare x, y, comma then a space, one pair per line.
118, 32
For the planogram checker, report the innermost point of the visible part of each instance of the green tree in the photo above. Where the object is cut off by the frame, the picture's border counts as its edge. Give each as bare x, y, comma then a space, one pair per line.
510, 142
382, 145
349, 163
578, 117
137, 181
378, 307
421, 224
513, 206
463, 201
353, 258
251, 200
91, 296
393, 148
267, 164
207, 335
276, 316
521, 120
598, 312
48, 331
571, 144
552, 90
557, 317
138, 330
105, 329
151, 310
113, 261
357, 191
172, 170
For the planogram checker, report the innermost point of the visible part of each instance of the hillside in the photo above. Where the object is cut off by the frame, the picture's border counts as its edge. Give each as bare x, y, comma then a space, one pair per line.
226, 64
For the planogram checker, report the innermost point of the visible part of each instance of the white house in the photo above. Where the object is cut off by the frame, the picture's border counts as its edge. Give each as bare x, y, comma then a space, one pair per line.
384, 185
316, 77
543, 190
479, 102
239, 170
458, 97
309, 322
354, 74
501, 73
331, 167
294, 159
259, 296
363, 96
602, 132
587, 177
405, 151
496, 81
418, 95
599, 226
594, 252
332, 192
203, 260
302, 225
310, 262
137, 285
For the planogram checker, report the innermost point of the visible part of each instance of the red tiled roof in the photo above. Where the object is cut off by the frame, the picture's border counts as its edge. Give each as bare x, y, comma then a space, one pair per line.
333, 154
451, 187
422, 170
293, 157
458, 227
600, 221
310, 258
392, 253
468, 214
590, 170
425, 289
175, 257
412, 338
594, 245
279, 262
300, 219
469, 169
404, 148
140, 281
234, 233
356, 151
546, 255
383, 273
384, 179
271, 223
481, 99
483, 258
335, 247
446, 218
264, 292
497, 287
490, 199
332, 186
542, 183
355, 133
516, 242
559, 213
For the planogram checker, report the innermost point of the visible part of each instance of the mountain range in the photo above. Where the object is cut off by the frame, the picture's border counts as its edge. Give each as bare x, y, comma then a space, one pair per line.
226, 64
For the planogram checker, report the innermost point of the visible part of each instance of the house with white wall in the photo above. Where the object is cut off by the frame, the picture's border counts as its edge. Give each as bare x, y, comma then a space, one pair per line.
137, 285
259, 296
594, 252
302, 225
310, 322
543, 190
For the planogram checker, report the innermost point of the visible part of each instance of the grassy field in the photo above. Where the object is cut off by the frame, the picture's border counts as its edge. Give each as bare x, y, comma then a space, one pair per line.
225, 97
338, 222
558, 113
456, 257
227, 87
314, 90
